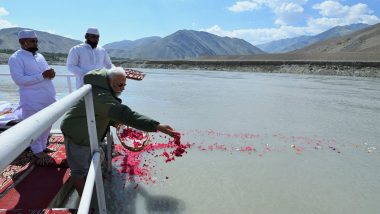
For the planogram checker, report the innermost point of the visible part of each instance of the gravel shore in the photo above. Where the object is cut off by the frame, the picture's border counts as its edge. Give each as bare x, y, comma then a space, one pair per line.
338, 68
357, 64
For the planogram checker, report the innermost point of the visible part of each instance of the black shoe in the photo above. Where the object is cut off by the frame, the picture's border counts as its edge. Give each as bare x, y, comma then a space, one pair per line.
47, 150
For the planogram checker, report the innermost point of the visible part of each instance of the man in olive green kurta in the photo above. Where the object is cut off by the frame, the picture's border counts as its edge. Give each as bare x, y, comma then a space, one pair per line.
106, 86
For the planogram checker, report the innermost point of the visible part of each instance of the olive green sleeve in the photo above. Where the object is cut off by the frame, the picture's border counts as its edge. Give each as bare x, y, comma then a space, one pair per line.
107, 106
123, 114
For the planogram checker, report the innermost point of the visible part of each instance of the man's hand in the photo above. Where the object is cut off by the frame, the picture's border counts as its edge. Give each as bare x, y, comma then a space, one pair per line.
167, 130
48, 74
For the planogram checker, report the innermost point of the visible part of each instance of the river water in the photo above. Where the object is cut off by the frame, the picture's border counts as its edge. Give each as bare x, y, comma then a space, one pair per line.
261, 143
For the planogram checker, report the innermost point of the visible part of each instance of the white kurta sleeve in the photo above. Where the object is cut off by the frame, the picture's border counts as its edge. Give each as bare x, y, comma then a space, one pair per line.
18, 75
73, 63
44, 63
107, 61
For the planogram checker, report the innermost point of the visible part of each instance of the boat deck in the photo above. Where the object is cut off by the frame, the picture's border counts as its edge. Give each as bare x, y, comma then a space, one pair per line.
31, 185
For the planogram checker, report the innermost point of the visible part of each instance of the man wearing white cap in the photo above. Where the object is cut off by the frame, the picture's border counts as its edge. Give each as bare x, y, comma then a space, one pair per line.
32, 74
87, 56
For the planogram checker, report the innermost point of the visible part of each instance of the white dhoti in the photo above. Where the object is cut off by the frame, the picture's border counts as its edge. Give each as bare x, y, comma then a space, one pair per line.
39, 144
36, 92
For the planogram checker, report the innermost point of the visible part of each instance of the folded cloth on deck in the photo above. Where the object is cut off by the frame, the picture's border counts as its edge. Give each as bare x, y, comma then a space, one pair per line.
9, 112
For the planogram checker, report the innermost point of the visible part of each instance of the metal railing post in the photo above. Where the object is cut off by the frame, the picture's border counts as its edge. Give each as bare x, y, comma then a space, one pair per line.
109, 145
69, 83
95, 148
85, 201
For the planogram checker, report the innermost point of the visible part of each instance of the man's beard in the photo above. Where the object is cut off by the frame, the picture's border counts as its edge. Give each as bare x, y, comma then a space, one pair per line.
33, 50
92, 44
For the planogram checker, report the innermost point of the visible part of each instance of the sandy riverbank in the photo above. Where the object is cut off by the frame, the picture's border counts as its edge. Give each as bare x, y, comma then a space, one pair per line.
338, 68
339, 64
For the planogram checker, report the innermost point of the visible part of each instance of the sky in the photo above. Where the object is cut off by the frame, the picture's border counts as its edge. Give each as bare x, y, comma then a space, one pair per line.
256, 21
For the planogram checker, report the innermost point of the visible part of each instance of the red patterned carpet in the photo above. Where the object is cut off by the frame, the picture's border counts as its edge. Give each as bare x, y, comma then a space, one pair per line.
26, 161
44, 211
28, 185
37, 191
18, 167
56, 159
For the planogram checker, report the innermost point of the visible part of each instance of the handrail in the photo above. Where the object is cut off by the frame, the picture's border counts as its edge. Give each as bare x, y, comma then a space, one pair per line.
85, 202
94, 151
14, 143
68, 79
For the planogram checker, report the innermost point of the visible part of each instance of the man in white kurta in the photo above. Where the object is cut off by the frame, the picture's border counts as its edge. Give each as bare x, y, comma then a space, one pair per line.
87, 56
33, 76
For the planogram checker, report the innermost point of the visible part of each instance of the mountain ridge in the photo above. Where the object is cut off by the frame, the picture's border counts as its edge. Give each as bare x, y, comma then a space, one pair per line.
185, 44
365, 40
47, 42
295, 43
190, 44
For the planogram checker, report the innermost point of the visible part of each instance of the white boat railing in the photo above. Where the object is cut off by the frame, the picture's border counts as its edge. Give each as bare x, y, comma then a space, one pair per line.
13, 143
68, 79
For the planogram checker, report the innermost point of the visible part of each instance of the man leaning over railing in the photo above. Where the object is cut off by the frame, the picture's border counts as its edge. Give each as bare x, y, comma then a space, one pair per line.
107, 86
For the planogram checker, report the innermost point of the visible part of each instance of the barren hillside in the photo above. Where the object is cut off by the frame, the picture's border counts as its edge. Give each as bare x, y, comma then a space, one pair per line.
363, 41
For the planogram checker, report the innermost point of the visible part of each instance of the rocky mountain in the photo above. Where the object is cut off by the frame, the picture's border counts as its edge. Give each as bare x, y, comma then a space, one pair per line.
183, 44
366, 40
291, 44
128, 45
47, 42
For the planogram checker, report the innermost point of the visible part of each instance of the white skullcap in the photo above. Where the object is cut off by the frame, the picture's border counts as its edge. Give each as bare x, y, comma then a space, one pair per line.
27, 34
92, 30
